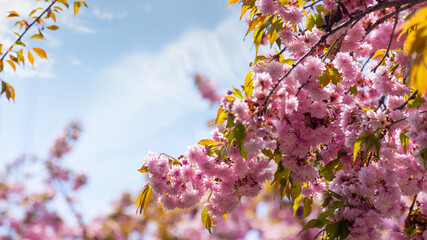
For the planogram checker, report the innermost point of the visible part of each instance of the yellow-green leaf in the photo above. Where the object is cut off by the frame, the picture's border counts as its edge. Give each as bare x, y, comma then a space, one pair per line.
221, 116
40, 52
296, 204
8, 89
207, 220
144, 198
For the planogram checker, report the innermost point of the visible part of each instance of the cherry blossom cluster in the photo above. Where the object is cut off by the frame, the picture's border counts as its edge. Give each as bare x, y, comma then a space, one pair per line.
330, 111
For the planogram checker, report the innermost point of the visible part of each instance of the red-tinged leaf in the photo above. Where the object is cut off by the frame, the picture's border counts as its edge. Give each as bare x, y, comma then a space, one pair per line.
53, 27
31, 58
232, 2
13, 14
8, 89
12, 65
143, 199
40, 52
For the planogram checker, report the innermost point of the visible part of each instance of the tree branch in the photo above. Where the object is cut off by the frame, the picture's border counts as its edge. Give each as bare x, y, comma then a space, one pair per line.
391, 40
26, 29
354, 19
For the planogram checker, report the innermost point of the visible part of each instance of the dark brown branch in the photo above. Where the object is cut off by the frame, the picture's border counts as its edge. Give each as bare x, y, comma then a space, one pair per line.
411, 208
27, 28
386, 17
355, 18
389, 42
413, 95
311, 5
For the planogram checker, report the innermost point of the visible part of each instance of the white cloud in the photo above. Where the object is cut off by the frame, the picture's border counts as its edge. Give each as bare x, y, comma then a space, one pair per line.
75, 62
104, 14
142, 94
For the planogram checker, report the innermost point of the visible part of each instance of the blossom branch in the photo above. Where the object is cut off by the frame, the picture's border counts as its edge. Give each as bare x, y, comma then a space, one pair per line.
390, 41
353, 19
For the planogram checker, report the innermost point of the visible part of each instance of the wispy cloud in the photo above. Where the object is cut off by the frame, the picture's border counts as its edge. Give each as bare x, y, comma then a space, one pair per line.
104, 14
139, 97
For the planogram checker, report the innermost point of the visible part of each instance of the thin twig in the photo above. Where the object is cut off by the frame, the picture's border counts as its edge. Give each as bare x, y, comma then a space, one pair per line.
357, 17
390, 41
311, 5
26, 29
413, 95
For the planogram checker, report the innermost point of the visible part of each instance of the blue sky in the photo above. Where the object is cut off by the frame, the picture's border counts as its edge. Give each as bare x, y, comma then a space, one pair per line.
121, 68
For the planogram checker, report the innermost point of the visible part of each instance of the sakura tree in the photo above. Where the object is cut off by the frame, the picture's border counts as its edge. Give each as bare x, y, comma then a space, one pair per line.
333, 115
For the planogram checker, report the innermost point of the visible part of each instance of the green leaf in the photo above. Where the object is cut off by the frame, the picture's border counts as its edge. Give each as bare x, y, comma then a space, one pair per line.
207, 220
144, 198
337, 230
239, 134
308, 205
404, 140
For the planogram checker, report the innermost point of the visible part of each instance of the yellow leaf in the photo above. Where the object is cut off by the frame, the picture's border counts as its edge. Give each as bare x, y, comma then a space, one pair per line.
52, 15
205, 142
53, 27
40, 52
254, 23
12, 64
143, 169
232, 2
421, 78
37, 36
76, 7
31, 58
144, 198
13, 14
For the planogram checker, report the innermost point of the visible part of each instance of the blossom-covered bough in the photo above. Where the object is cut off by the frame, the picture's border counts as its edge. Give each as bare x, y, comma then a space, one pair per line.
336, 118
